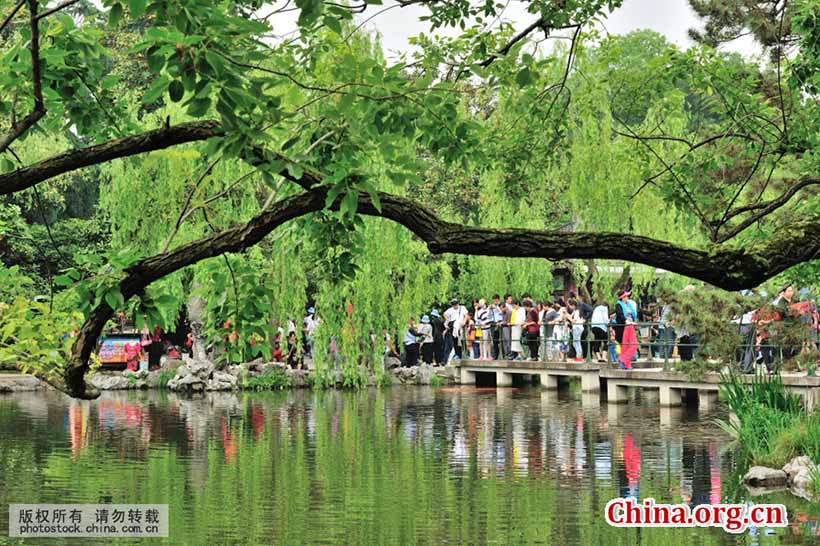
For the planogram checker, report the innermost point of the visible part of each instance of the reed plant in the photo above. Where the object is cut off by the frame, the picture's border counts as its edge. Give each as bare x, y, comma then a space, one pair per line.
771, 426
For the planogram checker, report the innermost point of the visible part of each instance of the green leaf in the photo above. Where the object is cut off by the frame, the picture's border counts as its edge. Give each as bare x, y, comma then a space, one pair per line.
115, 14
198, 107
155, 90
524, 77
176, 90
332, 194
114, 298
346, 102
137, 8
109, 81
63, 280
155, 61
374, 196
216, 62
295, 170
333, 24
350, 203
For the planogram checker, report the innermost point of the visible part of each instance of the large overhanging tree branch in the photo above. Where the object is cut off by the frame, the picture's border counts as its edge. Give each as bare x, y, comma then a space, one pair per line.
731, 269
71, 160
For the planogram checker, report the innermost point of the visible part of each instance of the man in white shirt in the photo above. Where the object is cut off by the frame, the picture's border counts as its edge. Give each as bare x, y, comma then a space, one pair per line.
310, 324
453, 322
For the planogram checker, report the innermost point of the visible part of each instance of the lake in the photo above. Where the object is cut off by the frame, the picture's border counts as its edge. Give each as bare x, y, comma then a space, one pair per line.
401, 465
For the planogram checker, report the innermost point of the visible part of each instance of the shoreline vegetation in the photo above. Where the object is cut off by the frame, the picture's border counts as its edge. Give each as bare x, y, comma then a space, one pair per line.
772, 429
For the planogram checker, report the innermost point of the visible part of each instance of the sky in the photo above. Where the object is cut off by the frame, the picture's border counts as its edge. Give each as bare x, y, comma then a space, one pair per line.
672, 18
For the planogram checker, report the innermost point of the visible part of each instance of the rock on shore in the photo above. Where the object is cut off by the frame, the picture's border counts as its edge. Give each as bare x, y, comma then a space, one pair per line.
796, 475
19, 383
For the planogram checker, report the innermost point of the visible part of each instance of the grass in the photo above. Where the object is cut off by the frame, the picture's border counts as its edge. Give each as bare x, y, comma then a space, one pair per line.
164, 377
436, 380
772, 426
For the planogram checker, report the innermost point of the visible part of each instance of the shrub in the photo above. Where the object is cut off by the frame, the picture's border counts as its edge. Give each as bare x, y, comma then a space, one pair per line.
272, 379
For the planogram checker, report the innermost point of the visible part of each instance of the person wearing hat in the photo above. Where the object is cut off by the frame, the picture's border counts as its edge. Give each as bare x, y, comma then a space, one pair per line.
438, 336
626, 315
425, 331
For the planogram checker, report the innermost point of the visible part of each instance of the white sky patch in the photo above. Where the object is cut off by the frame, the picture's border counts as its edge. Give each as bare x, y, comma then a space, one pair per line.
672, 18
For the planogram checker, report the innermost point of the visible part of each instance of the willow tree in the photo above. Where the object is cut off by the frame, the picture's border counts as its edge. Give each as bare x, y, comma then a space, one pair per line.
338, 135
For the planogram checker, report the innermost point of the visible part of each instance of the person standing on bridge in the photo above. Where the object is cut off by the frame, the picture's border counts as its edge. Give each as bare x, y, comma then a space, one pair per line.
600, 327
578, 321
496, 317
625, 316
425, 331
438, 337
531, 326
517, 327
483, 319
506, 328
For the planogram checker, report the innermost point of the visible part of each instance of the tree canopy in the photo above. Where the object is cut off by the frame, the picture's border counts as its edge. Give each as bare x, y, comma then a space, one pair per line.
177, 132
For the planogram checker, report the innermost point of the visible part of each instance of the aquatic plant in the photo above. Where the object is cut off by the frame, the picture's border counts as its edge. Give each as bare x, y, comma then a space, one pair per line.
770, 424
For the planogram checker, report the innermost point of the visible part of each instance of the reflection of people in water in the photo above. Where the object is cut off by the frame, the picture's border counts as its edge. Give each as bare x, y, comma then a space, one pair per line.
230, 442
714, 474
695, 466
580, 446
632, 465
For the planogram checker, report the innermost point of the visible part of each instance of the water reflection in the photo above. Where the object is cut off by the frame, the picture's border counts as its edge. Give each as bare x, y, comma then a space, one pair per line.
425, 463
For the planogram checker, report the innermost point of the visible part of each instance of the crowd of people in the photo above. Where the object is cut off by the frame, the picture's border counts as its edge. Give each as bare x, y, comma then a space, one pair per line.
575, 329
519, 328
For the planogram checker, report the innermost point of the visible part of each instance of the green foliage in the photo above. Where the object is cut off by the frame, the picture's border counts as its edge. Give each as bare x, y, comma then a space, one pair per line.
14, 284
502, 137
708, 313
436, 380
34, 338
239, 297
771, 427
164, 377
272, 379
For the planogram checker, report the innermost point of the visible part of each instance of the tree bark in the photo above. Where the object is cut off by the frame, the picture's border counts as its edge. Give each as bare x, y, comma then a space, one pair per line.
71, 160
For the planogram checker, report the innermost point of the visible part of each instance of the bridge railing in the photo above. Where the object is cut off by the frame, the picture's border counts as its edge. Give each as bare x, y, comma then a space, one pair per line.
660, 341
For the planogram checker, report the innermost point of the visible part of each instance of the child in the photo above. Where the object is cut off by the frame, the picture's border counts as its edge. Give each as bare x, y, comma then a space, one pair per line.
614, 347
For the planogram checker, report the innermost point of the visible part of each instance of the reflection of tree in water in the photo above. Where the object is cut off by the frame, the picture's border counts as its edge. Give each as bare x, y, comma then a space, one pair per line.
549, 467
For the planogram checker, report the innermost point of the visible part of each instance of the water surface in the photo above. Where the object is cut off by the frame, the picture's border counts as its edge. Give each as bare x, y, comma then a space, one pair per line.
404, 465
